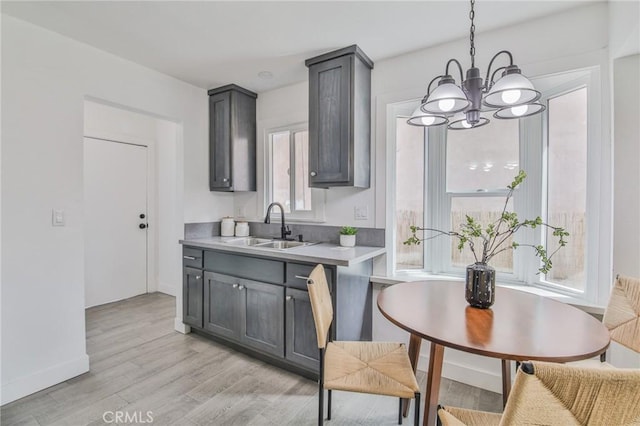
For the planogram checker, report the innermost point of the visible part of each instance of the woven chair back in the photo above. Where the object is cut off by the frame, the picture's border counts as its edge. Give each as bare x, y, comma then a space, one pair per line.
320, 304
566, 395
622, 316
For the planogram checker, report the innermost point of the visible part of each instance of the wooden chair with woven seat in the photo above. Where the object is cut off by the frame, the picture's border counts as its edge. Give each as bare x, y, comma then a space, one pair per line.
381, 368
621, 317
560, 394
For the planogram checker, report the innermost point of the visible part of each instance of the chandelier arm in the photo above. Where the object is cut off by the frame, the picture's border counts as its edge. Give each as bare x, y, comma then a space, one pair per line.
487, 81
429, 87
459, 68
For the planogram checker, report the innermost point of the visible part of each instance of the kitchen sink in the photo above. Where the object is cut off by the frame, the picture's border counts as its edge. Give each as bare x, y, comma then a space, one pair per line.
282, 245
248, 241
266, 243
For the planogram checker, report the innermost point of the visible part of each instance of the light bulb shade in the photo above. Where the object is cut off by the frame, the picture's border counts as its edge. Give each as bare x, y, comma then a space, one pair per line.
462, 124
446, 99
511, 90
421, 118
519, 111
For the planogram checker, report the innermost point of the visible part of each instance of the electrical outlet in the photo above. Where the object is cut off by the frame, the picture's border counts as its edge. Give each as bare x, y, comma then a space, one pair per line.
361, 212
57, 217
242, 212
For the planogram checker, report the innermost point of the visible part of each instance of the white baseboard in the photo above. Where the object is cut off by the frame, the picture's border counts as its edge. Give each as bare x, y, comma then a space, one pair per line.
181, 327
468, 374
43, 379
169, 289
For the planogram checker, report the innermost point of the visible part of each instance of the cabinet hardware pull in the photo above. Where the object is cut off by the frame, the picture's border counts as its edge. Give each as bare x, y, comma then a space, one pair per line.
225, 179
288, 298
190, 257
198, 277
302, 278
313, 173
241, 288
235, 286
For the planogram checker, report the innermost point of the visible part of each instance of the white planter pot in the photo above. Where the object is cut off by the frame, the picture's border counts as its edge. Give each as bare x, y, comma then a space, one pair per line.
347, 240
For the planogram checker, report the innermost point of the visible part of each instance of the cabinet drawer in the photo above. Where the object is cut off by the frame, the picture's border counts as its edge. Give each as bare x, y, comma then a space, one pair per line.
192, 257
304, 270
265, 270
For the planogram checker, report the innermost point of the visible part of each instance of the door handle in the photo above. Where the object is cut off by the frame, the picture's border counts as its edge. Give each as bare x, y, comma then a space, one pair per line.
143, 226
302, 278
288, 298
313, 173
190, 257
235, 286
241, 288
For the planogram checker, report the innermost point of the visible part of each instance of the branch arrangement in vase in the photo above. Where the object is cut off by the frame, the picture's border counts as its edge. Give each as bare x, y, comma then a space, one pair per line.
493, 238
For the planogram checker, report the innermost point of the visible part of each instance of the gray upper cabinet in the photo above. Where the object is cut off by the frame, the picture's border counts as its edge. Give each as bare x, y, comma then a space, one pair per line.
340, 118
232, 139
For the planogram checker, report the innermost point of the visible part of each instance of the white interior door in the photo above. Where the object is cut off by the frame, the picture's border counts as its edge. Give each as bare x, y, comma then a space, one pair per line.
115, 195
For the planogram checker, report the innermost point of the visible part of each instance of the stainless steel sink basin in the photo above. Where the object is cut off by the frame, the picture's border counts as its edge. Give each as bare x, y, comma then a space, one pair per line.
281, 245
248, 241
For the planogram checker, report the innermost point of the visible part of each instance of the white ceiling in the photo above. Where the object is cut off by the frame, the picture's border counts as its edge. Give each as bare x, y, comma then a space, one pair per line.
212, 43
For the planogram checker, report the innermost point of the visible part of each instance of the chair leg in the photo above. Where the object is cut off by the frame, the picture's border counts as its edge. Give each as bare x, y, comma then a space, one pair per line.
400, 413
329, 404
320, 403
416, 414
321, 388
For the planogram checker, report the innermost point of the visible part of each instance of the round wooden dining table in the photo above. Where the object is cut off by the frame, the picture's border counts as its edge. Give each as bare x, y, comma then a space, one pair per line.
520, 326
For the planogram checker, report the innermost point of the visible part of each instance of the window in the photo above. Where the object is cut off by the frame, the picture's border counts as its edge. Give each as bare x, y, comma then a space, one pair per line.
288, 174
567, 184
440, 176
409, 192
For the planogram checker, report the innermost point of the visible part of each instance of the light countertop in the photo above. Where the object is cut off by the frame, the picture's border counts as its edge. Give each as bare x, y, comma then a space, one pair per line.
328, 254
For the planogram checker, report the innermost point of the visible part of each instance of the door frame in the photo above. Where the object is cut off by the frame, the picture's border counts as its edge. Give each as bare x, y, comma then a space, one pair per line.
152, 178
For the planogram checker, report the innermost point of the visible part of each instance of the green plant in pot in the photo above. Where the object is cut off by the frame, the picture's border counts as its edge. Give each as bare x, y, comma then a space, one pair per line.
348, 236
485, 242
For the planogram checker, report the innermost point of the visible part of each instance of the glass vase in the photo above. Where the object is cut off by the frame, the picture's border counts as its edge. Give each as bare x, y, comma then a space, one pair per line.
480, 288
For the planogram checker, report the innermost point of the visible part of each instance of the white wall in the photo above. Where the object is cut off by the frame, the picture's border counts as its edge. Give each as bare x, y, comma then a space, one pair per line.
45, 80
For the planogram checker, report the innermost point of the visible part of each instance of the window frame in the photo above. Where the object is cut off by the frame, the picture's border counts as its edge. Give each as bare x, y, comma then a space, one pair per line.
529, 199
317, 212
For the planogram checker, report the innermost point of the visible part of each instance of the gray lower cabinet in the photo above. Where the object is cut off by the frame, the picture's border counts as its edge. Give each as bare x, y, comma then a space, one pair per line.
260, 305
302, 344
192, 297
222, 305
262, 323
249, 312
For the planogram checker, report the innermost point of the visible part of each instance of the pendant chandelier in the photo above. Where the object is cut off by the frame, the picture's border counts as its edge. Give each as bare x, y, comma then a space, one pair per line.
459, 106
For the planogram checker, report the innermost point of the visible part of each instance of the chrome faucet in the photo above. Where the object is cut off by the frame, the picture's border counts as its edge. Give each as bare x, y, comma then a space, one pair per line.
284, 230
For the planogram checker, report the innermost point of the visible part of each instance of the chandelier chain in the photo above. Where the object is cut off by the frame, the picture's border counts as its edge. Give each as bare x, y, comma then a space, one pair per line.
472, 31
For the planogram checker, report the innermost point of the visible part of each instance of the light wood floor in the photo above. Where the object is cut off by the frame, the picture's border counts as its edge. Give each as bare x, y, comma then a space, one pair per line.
139, 364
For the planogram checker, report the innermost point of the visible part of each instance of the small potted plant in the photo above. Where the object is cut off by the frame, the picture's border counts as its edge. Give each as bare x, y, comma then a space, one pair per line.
348, 236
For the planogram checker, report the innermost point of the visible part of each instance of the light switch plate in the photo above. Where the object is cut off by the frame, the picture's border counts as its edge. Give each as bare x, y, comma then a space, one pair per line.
361, 212
57, 217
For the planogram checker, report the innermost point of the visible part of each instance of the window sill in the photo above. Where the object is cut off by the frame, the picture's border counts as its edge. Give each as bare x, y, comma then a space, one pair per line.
384, 281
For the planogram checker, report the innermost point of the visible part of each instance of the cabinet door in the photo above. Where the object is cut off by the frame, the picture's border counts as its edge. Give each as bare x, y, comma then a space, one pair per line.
262, 324
192, 297
222, 305
302, 343
220, 141
330, 128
